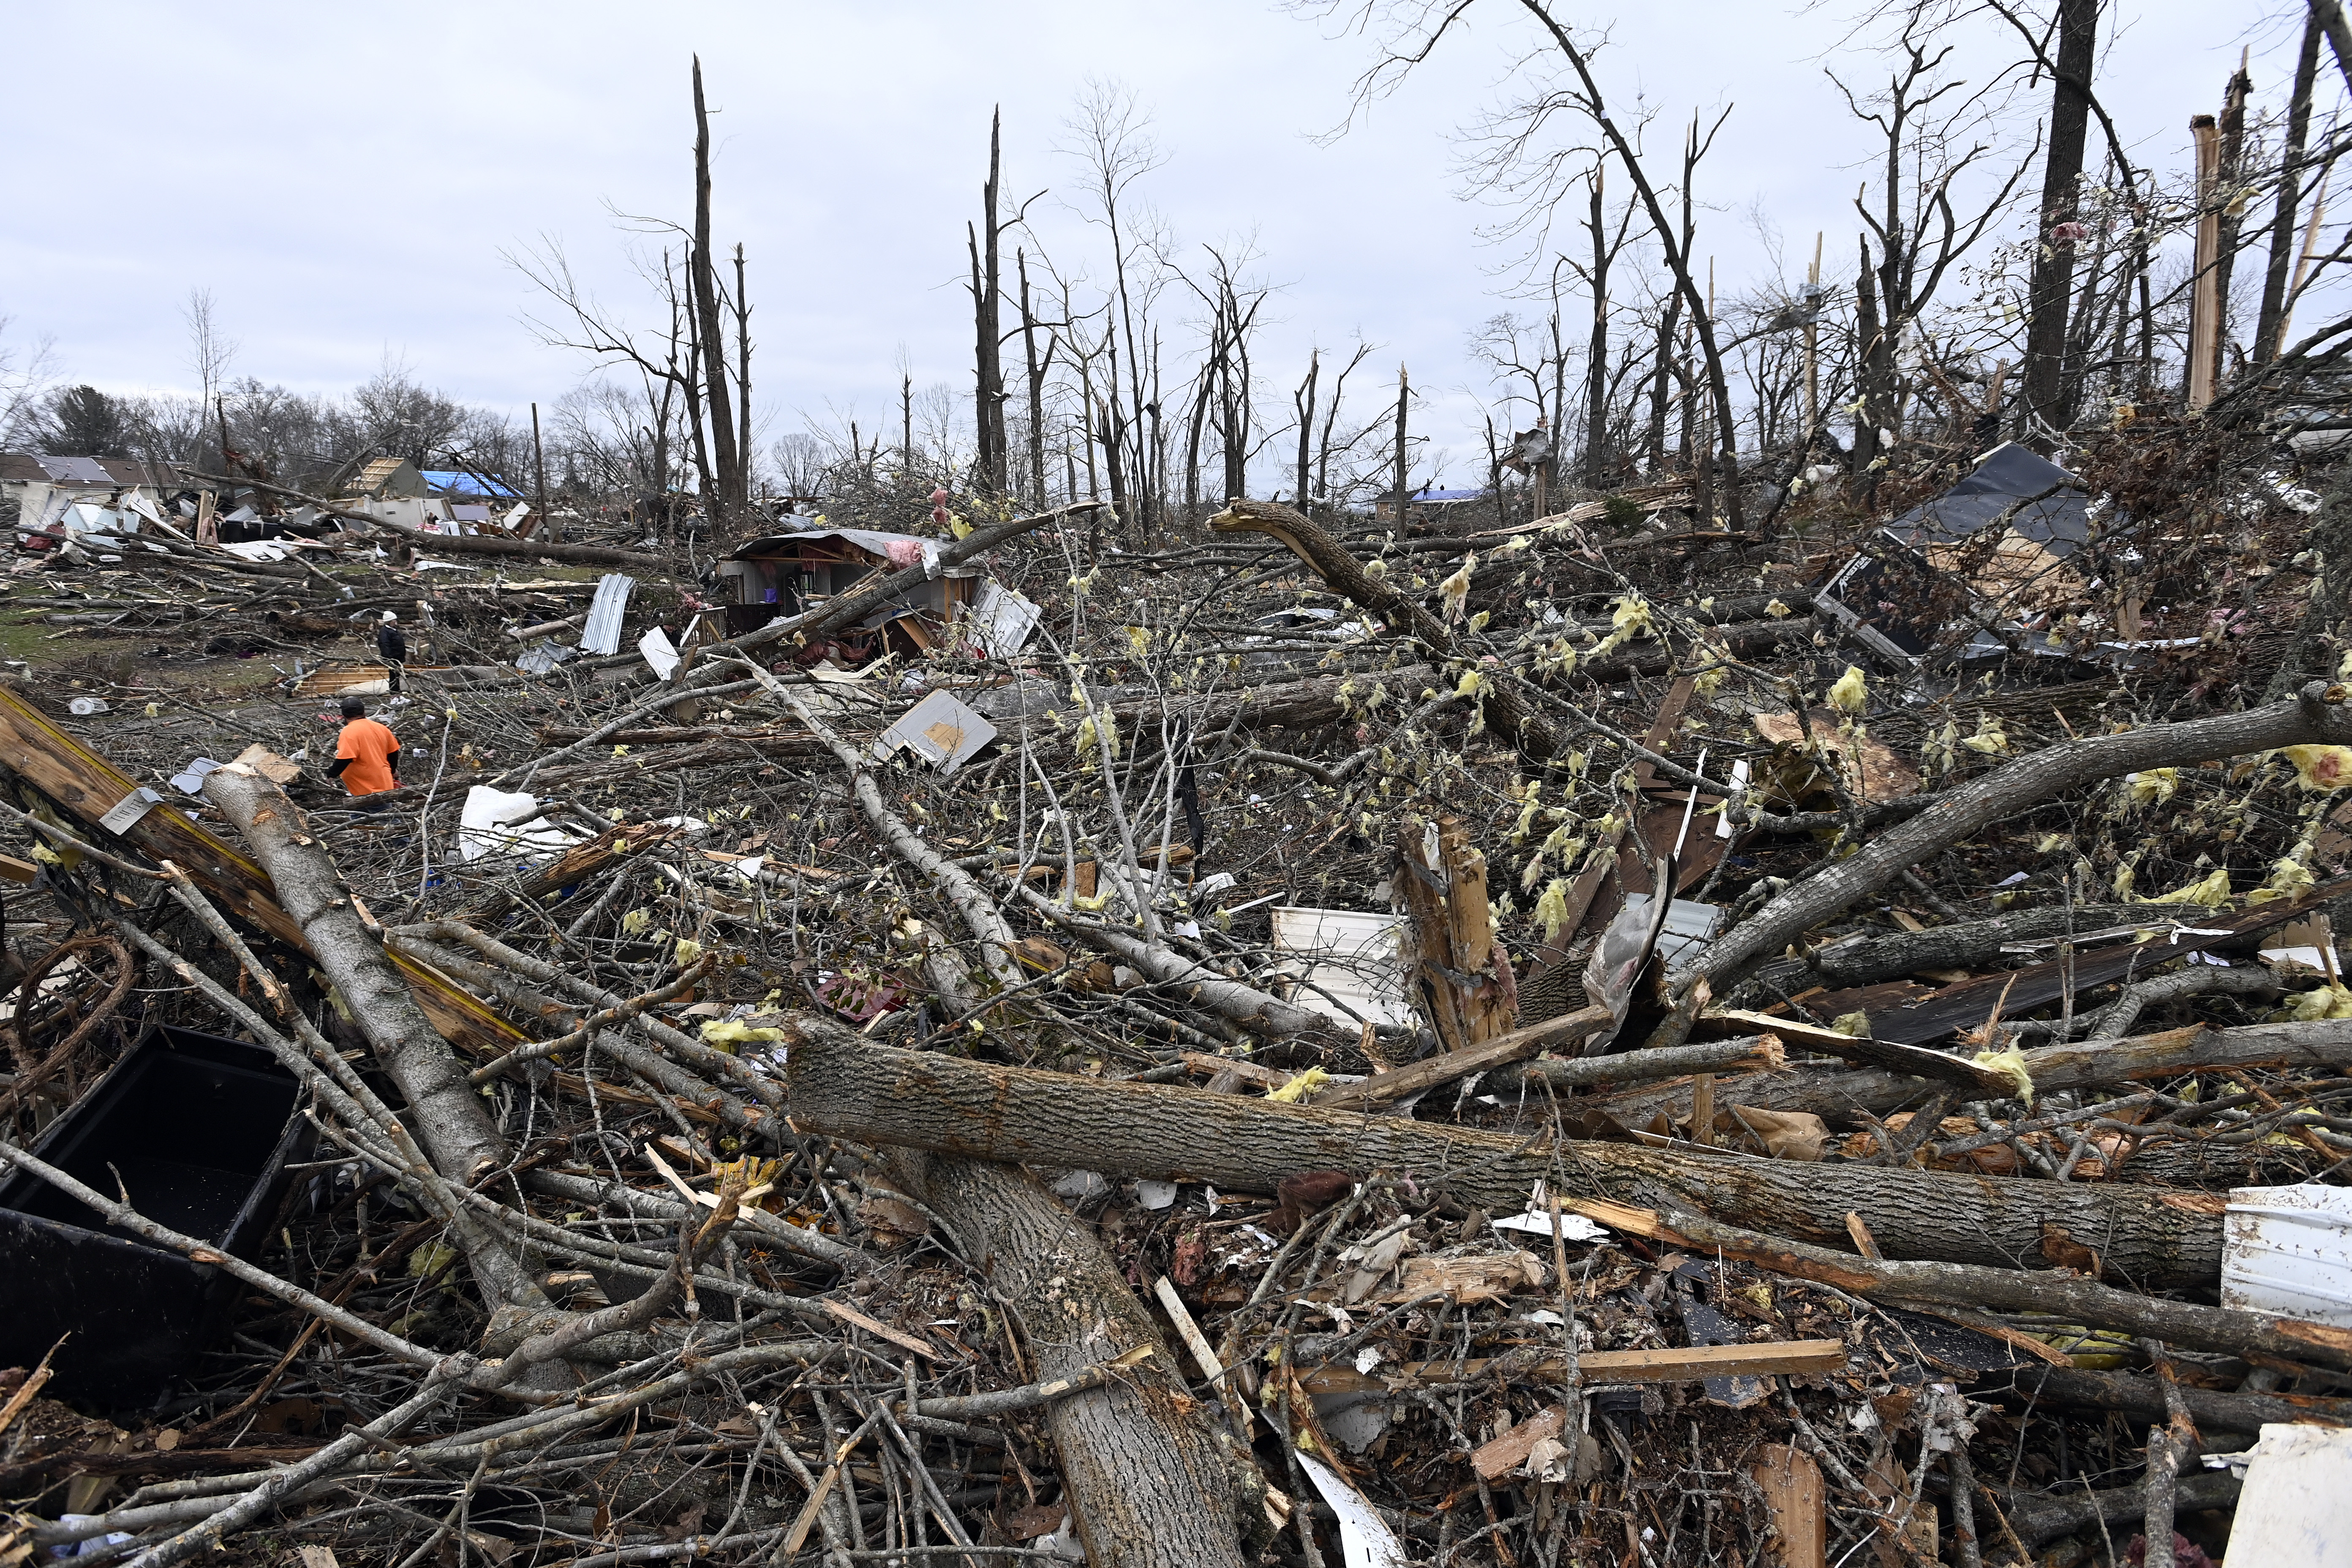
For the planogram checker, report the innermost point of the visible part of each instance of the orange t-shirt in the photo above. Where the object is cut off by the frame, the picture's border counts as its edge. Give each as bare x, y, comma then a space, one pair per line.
367, 745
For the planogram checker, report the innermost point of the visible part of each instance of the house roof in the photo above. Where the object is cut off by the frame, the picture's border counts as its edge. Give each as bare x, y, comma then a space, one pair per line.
374, 475
2009, 476
454, 482
20, 468
873, 542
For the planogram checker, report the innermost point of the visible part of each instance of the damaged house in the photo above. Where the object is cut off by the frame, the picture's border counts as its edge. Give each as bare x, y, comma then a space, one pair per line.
784, 574
1969, 572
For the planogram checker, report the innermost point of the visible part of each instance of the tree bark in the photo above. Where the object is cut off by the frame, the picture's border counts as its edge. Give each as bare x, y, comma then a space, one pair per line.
886, 1095
2049, 293
1149, 1482
2290, 191
2319, 713
726, 462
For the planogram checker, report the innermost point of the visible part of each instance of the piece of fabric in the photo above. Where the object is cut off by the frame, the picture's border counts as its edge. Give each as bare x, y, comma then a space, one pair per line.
367, 747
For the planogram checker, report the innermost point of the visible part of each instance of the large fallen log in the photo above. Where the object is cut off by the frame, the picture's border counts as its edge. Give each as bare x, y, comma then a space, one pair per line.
845, 1086
1147, 1480
451, 1120
2215, 1409
2319, 714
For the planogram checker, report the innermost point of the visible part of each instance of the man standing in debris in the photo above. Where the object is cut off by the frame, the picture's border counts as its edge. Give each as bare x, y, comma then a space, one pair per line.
391, 646
367, 755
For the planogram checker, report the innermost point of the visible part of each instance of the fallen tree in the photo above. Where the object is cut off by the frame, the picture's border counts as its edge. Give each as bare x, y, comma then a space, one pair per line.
2319, 715
1149, 1482
845, 1087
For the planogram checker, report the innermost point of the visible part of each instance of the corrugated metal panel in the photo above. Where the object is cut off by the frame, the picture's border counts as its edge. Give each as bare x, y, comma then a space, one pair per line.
602, 634
2288, 1250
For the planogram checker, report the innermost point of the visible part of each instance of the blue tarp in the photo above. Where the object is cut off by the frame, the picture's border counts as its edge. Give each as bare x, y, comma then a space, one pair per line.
452, 483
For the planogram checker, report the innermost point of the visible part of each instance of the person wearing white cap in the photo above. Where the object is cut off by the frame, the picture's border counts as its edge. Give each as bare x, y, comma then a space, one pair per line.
391, 646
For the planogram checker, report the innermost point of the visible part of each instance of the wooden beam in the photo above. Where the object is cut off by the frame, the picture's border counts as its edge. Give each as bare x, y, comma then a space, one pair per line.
1793, 1499
1694, 1363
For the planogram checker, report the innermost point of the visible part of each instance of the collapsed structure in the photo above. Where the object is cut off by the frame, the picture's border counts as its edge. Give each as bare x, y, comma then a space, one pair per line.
1335, 1040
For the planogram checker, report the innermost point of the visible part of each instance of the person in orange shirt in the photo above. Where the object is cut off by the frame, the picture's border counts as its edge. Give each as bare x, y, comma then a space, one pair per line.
367, 755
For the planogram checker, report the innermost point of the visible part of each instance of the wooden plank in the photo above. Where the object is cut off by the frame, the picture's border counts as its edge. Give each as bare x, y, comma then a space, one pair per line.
1695, 1363
851, 1315
1506, 1453
1796, 1504
1389, 1087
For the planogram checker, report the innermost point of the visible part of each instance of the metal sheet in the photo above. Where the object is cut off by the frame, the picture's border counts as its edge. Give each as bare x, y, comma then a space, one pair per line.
1358, 969
2288, 1251
940, 729
602, 634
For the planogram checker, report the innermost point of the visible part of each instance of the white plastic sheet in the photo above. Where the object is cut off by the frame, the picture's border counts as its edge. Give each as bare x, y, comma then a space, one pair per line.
660, 653
484, 827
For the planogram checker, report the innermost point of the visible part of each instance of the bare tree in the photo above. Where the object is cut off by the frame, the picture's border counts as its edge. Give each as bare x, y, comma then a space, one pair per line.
1917, 233
730, 492
2046, 382
2272, 315
25, 370
1110, 137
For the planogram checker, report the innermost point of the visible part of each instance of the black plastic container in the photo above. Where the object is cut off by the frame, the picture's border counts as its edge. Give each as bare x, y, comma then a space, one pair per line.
200, 1129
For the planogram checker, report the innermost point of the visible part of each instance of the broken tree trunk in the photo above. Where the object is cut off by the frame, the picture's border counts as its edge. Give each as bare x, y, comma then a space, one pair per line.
451, 1120
846, 1089
2319, 714
1147, 1478
1462, 974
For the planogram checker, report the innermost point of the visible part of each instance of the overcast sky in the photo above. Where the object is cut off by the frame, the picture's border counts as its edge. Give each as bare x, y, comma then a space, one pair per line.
345, 179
